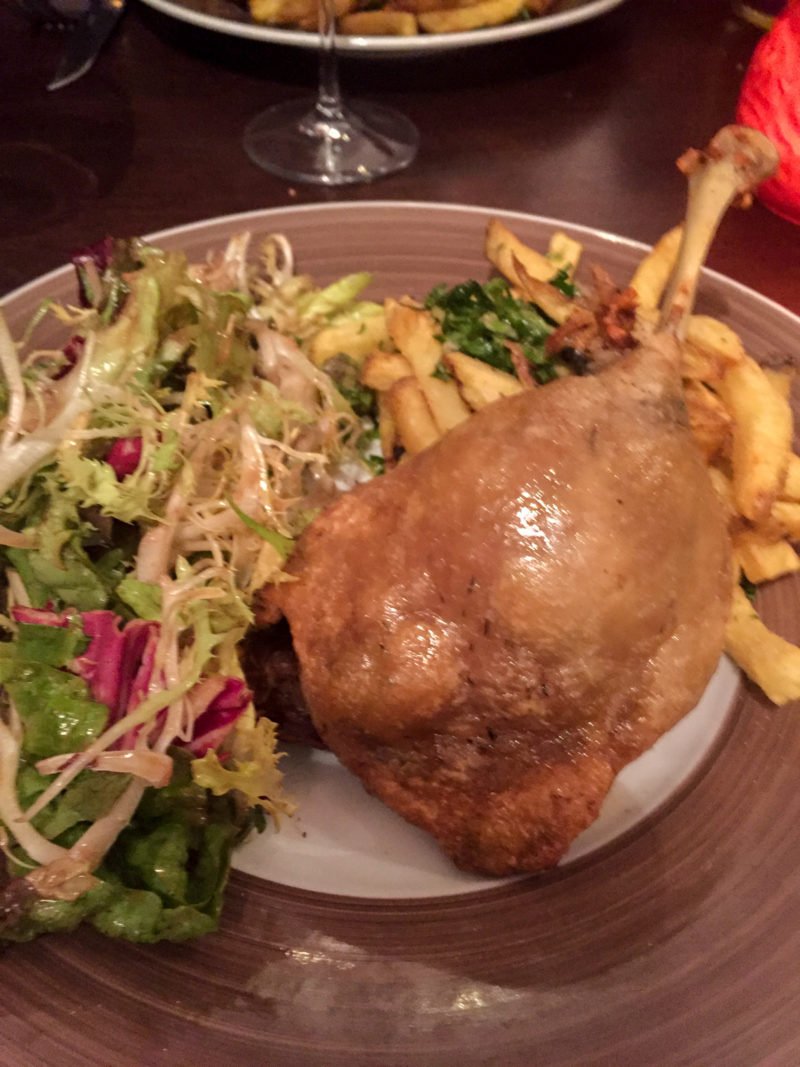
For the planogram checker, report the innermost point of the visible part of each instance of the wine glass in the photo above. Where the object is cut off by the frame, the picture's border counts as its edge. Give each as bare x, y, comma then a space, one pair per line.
326, 141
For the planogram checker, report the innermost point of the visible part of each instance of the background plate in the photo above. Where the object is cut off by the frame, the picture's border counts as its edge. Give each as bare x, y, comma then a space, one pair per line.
226, 16
674, 944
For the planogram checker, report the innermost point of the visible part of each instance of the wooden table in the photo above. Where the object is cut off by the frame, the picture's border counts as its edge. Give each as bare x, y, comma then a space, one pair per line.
582, 125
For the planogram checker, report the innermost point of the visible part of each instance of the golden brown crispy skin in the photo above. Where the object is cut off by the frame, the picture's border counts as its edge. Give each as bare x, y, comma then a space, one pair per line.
491, 631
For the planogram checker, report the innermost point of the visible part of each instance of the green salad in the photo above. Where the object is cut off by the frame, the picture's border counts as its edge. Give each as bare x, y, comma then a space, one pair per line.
154, 473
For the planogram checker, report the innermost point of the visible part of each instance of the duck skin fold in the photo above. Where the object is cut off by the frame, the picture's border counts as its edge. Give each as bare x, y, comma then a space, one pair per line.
488, 633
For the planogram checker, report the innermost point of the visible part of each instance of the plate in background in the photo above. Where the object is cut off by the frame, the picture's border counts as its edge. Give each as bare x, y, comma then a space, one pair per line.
226, 16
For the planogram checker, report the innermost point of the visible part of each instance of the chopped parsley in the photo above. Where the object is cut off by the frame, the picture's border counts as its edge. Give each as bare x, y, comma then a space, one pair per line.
479, 319
560, 281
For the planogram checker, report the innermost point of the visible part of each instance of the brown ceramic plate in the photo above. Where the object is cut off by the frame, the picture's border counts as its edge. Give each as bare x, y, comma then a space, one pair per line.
676, 943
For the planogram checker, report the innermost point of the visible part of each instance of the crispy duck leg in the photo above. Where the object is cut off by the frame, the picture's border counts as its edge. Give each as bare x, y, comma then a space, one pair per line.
489, 632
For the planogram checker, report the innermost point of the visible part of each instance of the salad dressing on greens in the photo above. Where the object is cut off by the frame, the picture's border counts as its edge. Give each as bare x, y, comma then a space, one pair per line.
154, 473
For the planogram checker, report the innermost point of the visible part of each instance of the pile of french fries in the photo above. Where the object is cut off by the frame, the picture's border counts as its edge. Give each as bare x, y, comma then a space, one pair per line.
398, 18
739, 413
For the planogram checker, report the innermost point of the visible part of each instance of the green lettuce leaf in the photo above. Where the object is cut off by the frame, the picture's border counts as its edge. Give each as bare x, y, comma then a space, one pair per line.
143, 597
324, 303
164, 878
54, 645
57, 713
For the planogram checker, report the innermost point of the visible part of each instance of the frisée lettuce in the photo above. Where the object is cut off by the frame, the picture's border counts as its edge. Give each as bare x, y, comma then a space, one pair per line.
155, 471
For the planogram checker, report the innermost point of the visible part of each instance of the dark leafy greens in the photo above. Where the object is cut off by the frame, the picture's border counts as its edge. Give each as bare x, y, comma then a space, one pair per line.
165, 876
480, 320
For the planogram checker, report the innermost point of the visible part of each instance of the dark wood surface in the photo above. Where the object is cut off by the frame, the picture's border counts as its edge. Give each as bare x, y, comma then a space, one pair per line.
583, 125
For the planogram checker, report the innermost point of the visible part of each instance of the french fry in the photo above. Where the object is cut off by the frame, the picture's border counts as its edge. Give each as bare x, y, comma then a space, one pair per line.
412, 417
763, 560
417, 7
474, 17
283, 12
780, 380
355, 338
564, 252
651, 276
387, 429
786, 516
414, 333
709, 350
551, 300
379, 24
503, 248
765, 657
791, 487
278, 11
444, 400
382, 369
478, 383
711, 425
762, 436
711, 336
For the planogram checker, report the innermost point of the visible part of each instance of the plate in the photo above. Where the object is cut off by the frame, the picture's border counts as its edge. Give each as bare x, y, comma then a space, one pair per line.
675, 942
225, 16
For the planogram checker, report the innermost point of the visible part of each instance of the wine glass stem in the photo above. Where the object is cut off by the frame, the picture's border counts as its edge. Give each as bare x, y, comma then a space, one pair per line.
329, 98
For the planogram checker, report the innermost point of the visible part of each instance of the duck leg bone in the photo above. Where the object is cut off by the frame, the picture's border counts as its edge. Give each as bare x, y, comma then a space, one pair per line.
736, 160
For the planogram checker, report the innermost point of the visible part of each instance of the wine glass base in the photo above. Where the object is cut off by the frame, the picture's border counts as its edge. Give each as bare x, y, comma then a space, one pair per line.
301, 141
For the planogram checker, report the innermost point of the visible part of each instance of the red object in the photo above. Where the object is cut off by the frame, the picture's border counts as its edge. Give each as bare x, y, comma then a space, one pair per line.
770, 102
124, 456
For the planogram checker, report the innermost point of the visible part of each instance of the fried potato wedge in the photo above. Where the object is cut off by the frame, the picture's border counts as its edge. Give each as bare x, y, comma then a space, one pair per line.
781, 381
651, 276
302, 12
417, 7
277, 11
763, 560
709, 350
416, 429
446, 403
483, 13
478, 383
710, 422
765, 657
786, 517
503, 248
414, 333
564, 252
762, 437
355, 338
791, 487
387, 429
379, 24
551, 300
713, 337
381, 370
